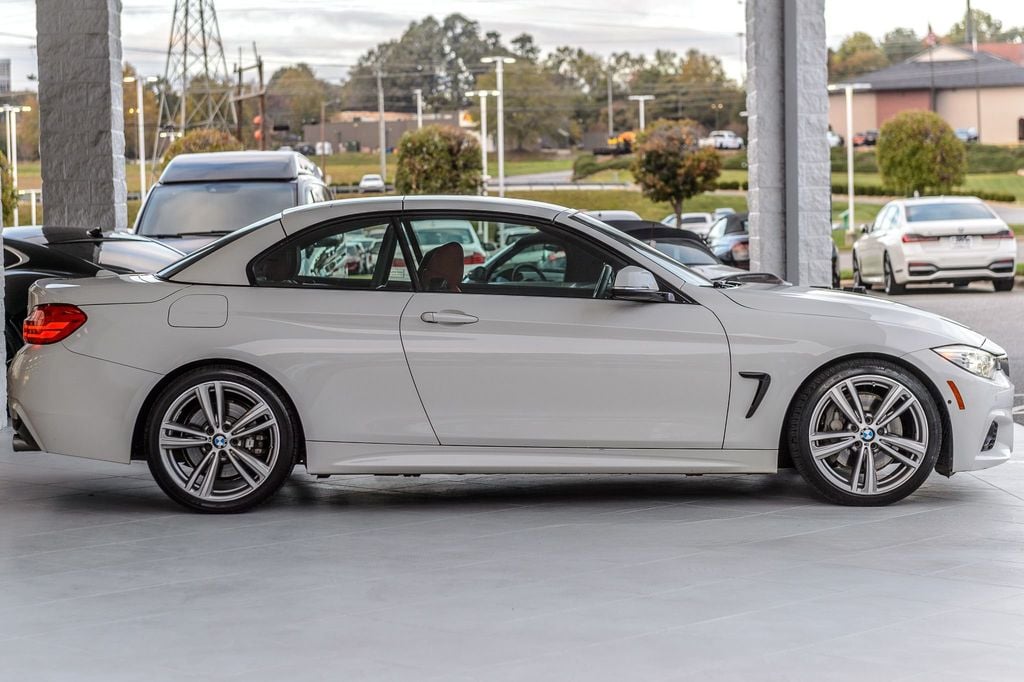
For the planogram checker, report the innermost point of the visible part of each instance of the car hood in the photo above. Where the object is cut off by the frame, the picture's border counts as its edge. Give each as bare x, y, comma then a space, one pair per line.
785, 299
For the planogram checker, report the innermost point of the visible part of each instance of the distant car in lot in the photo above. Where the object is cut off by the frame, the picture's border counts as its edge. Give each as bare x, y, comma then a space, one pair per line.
372, 182
431, 233
935, 239
966, 134
834, 139
722, 139
721, 211
226, 369
729, 240
868, 138
202, 197
35, 253
696, 222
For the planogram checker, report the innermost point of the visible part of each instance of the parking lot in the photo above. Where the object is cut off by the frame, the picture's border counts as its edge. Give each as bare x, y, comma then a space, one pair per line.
517, 577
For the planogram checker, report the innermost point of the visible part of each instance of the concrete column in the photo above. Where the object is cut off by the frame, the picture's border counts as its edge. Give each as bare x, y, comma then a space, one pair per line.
787, 105
81, 119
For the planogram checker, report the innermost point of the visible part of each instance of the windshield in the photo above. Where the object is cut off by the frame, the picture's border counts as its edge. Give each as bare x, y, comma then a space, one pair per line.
684, 253
919, 213
694, 219
675, 267
203, 207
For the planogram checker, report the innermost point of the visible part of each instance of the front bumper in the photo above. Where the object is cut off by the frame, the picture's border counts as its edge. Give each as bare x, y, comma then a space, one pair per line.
974, 442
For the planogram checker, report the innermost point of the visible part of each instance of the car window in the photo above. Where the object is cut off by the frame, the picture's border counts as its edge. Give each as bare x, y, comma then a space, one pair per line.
348, 255
687, 254
948, 210
541, 261
717, 229
11, 258
881, 220
196, 207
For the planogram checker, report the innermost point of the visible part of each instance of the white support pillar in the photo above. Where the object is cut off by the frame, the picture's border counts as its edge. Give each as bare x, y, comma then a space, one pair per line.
790, 179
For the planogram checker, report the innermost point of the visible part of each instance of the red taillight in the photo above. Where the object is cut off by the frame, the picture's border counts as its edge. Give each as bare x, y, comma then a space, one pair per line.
910, 238
398, 263
52, 322
1001, 234
474, 259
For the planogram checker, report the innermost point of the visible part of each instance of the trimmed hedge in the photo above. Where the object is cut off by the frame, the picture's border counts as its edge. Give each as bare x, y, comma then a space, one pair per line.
586, 165
880, 191
981, 158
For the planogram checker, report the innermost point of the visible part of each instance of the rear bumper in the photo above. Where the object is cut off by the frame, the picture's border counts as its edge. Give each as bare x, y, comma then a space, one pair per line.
975, 443
72, 404
922, 271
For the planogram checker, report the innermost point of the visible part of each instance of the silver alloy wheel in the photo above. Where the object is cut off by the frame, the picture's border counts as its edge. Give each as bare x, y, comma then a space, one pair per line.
868, 434
219, 440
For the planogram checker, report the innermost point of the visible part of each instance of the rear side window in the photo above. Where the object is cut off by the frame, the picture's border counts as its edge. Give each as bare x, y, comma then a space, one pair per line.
348, 255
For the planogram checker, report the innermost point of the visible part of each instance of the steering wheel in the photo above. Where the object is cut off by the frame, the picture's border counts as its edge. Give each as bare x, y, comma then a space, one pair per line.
604, 281
517, 270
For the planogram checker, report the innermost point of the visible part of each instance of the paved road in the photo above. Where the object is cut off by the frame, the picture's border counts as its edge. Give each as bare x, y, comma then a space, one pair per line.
1000, 316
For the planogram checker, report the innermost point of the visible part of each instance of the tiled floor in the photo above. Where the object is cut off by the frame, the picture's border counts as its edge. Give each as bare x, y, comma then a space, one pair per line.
508, 578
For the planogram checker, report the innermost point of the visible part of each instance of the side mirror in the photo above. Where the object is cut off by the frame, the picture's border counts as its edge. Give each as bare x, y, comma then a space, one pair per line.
490, 246
865, 228
633, 283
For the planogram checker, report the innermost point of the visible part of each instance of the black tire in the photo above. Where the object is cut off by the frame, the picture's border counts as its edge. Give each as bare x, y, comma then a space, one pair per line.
892, 287
1003, 284
816, 389
858, 279
286, 436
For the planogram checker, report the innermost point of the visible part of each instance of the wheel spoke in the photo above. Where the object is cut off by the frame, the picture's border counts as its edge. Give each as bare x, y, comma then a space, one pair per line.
897, 455
181, 428
218, 392
843, 404
170, 442
870, 475
211, 475
198, 471
254, 429
254, 412
203, 394
903, 443
249, 480
881, 424
251, 461
894, 394
855, 396
855, 476
822, 451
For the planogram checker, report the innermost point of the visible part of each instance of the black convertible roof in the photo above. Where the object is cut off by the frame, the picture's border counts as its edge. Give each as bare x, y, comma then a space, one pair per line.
205, 167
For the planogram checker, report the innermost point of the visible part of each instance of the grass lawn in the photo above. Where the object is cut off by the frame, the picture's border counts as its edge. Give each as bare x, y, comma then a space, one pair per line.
1011, 183
598, 200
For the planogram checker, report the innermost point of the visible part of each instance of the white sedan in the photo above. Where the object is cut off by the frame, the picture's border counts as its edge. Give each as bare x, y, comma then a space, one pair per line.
935, 239
372, 182
695, 222
601, 354
722, 139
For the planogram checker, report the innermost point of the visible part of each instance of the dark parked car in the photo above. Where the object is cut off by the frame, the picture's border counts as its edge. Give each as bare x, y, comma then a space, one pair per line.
689, 249
201, 197
729, 240
34, 253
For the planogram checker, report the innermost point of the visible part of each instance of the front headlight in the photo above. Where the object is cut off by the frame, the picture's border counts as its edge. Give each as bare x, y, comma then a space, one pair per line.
975, 360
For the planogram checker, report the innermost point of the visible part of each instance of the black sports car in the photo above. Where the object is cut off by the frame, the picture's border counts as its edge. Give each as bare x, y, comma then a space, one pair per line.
34, 253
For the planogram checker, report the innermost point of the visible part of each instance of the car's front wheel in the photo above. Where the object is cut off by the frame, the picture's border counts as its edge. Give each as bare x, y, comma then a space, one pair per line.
220, 439
865, 433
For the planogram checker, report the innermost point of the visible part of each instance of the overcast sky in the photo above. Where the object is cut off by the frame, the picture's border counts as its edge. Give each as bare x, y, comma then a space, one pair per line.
331, 34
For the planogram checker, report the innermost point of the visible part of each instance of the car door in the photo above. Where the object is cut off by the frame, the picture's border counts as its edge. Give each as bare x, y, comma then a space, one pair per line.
538, 357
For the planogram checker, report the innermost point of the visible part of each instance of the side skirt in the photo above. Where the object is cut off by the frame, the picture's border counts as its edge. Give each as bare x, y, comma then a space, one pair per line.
324, 458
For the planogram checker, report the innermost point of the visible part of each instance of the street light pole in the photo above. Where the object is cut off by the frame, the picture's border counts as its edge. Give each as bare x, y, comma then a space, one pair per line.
419, 107
642, 100
848, 89
382, 138
483, 95
499, 66
11, 129
140, 123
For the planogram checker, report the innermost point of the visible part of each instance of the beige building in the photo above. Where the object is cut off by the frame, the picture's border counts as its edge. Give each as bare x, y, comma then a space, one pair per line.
970, 90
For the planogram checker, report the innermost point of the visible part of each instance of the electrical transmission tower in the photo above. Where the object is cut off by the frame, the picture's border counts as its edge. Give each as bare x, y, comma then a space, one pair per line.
196, 87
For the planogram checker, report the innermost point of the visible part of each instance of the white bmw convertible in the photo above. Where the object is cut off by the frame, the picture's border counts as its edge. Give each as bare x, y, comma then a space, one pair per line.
584, 351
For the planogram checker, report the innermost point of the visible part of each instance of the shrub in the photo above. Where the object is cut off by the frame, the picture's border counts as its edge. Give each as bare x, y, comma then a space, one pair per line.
438, 160
8, 195
587, 165
201, 140
670, 167
917, 151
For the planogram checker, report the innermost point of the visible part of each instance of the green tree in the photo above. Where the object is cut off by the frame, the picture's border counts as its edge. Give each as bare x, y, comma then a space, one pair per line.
670, 167
857, 54
438, 160
294, 95
900, 44
918, 151
201, 140
8, 197
535, 104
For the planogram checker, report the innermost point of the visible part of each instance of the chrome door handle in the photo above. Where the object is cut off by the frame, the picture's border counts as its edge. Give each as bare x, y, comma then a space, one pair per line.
449, 317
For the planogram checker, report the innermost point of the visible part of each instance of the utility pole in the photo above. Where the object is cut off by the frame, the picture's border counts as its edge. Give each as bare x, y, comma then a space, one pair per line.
642, 100
259, 94
140, 124
382, 137
483, 95
323, 134
262, 100
419, 107
238, 98
499, 67
611, 116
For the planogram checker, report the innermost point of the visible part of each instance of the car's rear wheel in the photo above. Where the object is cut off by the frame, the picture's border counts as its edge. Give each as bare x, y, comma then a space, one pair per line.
220, 439
865, 433
1003, 284
858, 278
892, 287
